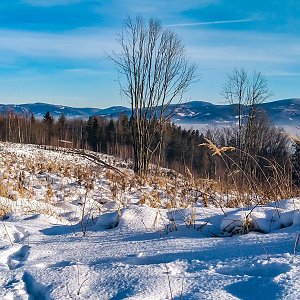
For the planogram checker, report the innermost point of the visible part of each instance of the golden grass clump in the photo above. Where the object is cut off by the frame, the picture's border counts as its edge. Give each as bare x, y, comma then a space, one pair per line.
4, 211
3, 190
152, 199
214, 149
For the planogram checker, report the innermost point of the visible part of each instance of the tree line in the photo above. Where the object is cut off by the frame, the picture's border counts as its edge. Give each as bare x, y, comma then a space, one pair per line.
180, 148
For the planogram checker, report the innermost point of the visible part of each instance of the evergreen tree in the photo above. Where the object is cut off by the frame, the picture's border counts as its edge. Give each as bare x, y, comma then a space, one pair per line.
110, 132
48, 122
62, 126
93, 133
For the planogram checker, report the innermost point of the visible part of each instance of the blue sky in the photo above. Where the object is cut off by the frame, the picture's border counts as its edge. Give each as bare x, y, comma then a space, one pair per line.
55, 50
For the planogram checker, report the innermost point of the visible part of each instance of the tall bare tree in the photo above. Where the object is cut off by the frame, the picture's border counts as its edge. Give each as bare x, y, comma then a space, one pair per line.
257, 93
245, 92
155, 73
235, 92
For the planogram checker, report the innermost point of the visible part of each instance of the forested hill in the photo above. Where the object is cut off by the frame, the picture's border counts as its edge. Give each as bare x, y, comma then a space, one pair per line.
281, 112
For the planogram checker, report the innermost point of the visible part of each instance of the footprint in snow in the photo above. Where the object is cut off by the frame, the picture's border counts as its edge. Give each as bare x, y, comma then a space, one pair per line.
253, 276
20, 234
35, 289
17, 259
15, 289
25, 287
16, 234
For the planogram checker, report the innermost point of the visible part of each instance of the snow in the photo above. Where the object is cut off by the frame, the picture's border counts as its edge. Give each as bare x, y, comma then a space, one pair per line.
261, 219
131, 250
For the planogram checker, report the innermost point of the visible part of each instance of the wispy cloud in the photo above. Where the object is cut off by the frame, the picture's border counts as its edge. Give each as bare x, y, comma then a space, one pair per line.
78, 44
87, 72
211, 23
49, 3
234, 49
283, 74
165, 10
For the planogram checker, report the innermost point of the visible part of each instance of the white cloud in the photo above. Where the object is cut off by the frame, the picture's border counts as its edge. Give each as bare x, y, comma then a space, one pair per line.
239, 47
163, 10
209, 48
79, 44
282, 73
87, 72
144, 7
48, 3
210, 23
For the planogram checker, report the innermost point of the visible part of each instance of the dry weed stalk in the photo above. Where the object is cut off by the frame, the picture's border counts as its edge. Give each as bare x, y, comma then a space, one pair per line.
6, 231
296, 244
191, 221
278, 186
4, 190
214, 149
169, 281
76, 295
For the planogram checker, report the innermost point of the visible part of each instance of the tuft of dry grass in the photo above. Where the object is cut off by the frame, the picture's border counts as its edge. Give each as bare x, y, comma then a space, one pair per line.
152, 199
4, 211
214, 149
3, 190
275, 184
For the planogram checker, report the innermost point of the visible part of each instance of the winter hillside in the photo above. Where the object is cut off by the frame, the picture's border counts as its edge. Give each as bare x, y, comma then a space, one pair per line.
75, 229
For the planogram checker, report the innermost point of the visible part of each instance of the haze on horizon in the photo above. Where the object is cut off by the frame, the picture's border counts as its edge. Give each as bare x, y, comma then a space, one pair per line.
55, 50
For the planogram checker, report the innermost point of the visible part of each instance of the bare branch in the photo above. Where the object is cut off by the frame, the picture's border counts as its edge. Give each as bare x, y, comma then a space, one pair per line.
155, 73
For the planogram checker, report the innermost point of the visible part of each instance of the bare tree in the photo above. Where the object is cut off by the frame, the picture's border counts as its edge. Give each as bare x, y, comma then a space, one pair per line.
246, 93
155, 73
235, 92
257, 93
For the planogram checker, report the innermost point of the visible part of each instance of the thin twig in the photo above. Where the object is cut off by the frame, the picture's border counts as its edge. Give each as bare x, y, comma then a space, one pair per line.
269, 258
7, 232
296, 244
170, 287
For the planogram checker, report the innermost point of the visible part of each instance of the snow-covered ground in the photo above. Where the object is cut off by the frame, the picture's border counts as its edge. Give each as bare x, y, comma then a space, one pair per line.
73, 230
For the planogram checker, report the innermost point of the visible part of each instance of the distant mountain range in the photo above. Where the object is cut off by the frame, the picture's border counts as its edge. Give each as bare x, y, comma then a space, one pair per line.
39, 109
284, 112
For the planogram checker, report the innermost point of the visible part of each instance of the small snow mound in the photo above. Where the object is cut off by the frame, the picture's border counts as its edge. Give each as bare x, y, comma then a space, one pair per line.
287, 204
136, 218
142, 218
238, 223
263, 220
256, 269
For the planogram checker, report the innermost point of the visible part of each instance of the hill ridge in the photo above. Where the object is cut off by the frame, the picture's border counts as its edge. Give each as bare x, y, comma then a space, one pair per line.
282, 112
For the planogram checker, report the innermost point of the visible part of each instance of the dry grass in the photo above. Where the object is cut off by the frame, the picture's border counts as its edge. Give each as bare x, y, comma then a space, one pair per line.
23, 176
165, 189
4, 211
274, 185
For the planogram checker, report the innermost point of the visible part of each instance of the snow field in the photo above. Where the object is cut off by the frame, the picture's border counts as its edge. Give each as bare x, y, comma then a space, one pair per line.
171, 250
